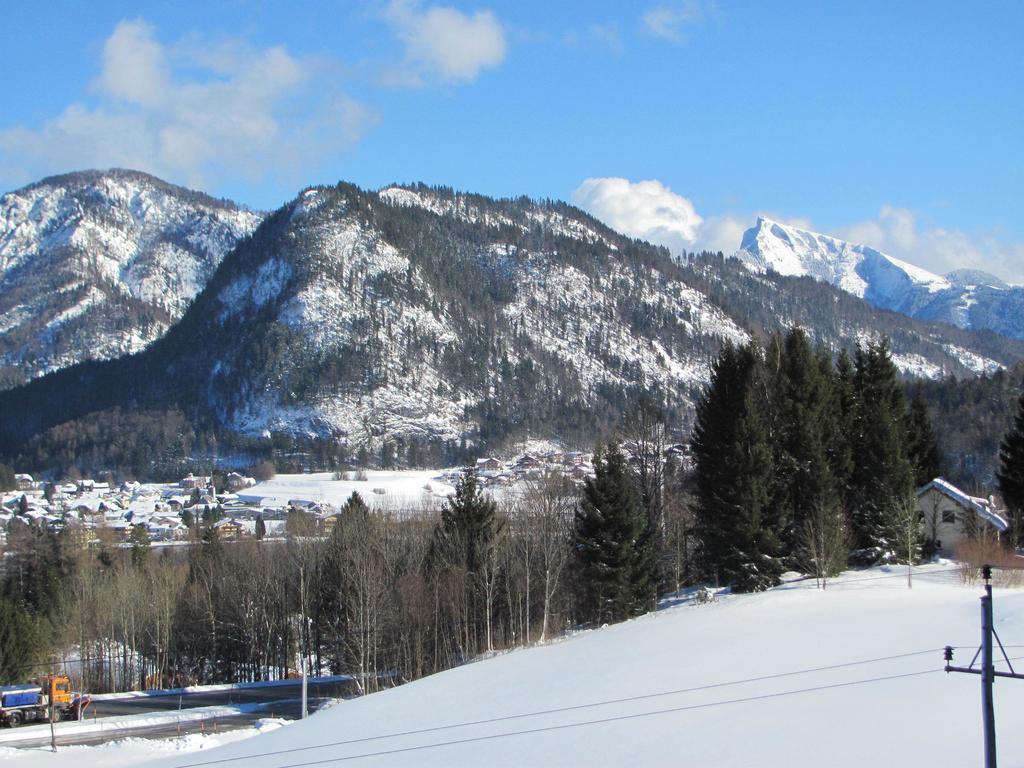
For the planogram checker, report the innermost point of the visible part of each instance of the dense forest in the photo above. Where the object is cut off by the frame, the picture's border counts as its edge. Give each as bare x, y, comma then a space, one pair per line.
386, 595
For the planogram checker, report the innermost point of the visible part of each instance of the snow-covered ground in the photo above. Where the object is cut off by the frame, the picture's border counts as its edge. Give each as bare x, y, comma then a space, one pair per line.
408, 489
850, 676
132, 751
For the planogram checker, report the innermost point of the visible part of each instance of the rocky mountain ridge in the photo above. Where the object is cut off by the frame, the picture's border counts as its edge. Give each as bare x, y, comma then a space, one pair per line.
418, 315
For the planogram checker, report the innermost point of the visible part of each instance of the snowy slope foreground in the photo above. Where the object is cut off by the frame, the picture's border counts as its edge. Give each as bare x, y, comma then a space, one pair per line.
94, 265
851, 676
965, 298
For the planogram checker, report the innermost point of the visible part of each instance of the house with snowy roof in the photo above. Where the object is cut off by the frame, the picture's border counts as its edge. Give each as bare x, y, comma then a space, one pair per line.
951, 515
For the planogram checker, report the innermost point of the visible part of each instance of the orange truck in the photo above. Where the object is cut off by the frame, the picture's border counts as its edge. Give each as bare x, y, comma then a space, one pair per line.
39, 700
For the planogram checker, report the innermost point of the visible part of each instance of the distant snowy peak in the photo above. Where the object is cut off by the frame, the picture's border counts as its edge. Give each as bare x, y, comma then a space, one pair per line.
97, 264
856, 269
965, 298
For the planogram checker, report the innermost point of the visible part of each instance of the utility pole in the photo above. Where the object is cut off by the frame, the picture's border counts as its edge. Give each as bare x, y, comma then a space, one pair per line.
987, 671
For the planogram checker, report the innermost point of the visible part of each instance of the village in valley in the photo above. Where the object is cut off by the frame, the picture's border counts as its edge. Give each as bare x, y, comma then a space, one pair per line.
87, 512
236, 506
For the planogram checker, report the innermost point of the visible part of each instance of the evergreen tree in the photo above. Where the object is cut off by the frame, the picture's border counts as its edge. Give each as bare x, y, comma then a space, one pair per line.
882, 473
468, 522
839, 428
803, 480
733, 472
922, 446
138, 538
261, 528
355, 506
21, 640
614, 544
464, 541
1011, 473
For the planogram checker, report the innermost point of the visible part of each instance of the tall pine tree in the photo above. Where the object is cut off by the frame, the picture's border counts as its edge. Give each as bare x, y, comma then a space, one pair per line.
614, 543
882, 473
922, 445
803, 481
1011, 473
733, 474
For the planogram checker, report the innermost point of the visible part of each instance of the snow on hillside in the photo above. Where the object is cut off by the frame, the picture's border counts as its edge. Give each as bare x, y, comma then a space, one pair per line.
850, 676
94, 265
854, 268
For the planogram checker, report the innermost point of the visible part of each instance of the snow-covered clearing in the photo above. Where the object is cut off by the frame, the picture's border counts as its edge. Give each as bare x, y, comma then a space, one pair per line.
398, 490
850, 676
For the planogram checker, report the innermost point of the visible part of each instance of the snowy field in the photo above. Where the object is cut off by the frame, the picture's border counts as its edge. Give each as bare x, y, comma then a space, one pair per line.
851, 676
408, 489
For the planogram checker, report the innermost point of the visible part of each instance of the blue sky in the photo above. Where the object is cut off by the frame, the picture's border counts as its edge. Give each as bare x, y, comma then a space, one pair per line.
898, 124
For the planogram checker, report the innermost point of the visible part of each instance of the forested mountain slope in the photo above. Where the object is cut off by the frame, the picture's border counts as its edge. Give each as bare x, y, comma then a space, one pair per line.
418, 316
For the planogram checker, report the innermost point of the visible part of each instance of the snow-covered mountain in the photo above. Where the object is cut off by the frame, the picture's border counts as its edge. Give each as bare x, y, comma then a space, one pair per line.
965, 298
94, 265
421, 316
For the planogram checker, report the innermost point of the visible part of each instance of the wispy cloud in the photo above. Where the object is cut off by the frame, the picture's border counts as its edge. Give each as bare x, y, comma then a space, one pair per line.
192, 113
443, 44
899, 232
672, 20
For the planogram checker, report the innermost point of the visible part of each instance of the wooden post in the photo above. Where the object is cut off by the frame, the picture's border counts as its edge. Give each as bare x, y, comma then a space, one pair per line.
53, 730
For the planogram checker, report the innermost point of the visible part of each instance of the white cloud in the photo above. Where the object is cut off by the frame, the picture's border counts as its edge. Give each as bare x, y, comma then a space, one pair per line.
670, 20
442, 43
644, 209
651, 211
194, 113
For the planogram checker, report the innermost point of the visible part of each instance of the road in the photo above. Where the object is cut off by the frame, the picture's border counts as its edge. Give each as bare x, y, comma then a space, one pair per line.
264, 695
272, 701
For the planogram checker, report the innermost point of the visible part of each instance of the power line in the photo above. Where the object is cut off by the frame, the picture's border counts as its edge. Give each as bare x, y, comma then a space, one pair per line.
602, 721
558, 710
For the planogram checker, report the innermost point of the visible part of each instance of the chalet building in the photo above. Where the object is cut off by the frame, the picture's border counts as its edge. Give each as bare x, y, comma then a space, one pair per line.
190, 482
228, 529
24, 482
951, 515
237, 482
489, 464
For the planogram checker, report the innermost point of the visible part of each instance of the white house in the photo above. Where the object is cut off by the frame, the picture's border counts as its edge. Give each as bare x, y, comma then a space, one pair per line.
951, 515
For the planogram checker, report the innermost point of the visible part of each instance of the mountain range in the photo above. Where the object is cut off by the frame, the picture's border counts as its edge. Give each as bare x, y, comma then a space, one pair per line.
412, 316
966, 298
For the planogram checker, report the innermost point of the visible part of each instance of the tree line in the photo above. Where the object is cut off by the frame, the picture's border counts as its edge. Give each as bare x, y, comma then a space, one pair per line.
387, 595
802, 461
